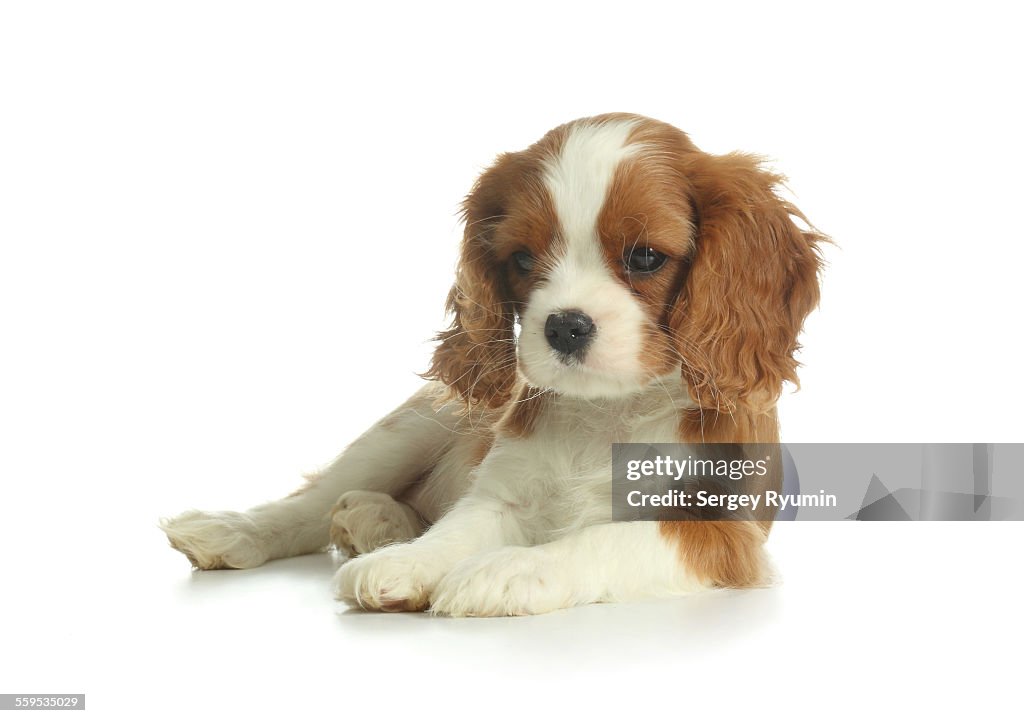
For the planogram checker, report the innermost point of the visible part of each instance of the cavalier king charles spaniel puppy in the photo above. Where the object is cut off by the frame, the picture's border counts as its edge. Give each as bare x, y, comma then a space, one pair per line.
616, 284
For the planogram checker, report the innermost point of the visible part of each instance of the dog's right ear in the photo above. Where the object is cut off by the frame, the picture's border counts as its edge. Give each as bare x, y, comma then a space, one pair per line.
476, 356
751, 284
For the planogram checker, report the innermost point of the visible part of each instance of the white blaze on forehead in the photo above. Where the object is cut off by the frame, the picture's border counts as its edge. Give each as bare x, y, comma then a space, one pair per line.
578, 180
579, 177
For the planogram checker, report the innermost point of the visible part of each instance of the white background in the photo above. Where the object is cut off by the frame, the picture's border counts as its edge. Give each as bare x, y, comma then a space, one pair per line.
227, 231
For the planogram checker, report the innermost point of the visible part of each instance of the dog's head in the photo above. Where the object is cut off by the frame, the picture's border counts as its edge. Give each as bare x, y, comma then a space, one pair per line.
625, 254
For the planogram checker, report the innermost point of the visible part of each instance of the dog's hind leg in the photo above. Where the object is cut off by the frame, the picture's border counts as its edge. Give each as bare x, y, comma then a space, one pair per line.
362, 521
396, 452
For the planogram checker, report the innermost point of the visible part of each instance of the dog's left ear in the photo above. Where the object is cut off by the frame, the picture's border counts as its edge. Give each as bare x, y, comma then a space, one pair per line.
476, 355
752, 281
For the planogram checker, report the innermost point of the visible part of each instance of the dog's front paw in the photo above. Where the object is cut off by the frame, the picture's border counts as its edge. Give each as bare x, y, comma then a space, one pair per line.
510, 581
215, 540
398, 578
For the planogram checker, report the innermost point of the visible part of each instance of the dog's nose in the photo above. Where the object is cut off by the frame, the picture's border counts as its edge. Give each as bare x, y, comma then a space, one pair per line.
569, 332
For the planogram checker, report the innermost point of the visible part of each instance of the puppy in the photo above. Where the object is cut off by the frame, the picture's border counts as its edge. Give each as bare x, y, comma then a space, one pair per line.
616, 284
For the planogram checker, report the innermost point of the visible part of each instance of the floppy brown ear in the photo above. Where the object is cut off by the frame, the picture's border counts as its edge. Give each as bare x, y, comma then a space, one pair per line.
752, 281
476, 355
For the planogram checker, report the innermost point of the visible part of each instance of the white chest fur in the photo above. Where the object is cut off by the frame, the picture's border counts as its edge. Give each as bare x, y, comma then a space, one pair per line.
558, 478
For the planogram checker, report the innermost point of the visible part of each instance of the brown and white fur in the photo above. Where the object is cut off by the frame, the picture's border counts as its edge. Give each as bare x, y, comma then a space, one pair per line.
488, 492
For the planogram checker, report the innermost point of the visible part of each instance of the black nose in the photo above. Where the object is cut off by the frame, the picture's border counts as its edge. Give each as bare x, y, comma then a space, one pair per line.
569, 332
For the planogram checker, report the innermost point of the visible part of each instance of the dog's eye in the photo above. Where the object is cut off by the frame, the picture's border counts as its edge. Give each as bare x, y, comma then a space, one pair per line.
644, 260
523, 262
